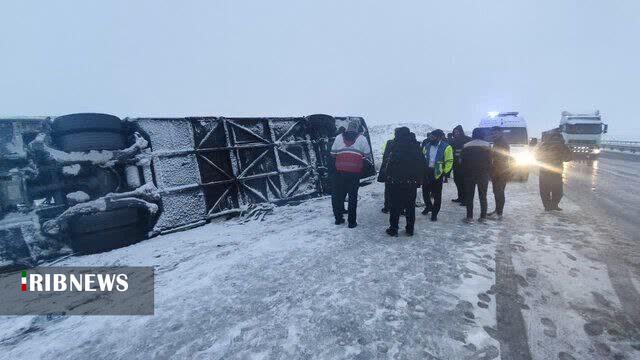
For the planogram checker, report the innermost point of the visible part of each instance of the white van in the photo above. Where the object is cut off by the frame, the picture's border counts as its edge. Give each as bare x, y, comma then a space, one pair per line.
514, 130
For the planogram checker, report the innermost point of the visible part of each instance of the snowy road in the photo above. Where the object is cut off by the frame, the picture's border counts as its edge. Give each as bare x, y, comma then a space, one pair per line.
536, 285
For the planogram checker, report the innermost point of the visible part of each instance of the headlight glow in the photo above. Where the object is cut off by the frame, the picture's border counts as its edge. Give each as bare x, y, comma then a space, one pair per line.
523, 158
596, 151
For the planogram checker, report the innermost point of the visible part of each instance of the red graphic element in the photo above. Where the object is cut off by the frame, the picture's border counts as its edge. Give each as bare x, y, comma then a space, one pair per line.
24, 287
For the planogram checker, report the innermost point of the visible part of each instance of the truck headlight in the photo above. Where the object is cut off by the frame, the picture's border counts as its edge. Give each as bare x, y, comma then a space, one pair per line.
523, 158
596, 151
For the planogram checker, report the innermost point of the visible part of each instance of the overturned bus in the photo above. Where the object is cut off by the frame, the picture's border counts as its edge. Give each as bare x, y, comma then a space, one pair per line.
93, 182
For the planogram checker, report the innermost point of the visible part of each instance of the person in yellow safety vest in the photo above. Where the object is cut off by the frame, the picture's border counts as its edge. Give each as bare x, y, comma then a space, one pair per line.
439, 157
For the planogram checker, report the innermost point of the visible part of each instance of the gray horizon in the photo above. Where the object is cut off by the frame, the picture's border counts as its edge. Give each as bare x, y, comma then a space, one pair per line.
409, 61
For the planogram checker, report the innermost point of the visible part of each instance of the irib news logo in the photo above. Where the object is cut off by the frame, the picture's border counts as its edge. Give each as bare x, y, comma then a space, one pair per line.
78, 290
74, 282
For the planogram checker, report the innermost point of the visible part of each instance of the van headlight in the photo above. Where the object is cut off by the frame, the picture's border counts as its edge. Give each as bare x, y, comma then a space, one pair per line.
523, 158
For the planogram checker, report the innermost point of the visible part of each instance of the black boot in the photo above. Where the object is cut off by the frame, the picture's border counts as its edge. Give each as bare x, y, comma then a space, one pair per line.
392, 232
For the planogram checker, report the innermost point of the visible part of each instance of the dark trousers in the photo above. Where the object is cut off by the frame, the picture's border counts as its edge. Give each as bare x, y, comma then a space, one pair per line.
345, 184
386, 196
402, 197
432, 187
458, 179
499, 183
470, 183
550, 189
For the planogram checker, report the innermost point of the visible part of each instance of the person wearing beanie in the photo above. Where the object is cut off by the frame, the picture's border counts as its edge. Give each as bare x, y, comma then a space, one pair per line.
458, 139
404, 171
350, 150
551, 154
438, 156
382, 176
500, 170
476, 166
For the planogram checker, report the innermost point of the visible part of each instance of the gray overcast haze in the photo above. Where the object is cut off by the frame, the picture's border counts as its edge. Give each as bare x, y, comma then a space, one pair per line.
438, 62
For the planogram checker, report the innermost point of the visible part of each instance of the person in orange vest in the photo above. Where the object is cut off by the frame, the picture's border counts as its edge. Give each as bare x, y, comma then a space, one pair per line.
349, 150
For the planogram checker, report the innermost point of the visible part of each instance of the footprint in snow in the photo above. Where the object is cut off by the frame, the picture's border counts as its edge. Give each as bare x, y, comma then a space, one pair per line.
565, 356
550, 327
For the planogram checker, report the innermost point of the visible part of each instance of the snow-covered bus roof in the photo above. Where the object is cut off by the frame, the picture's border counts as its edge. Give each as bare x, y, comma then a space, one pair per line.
506, 119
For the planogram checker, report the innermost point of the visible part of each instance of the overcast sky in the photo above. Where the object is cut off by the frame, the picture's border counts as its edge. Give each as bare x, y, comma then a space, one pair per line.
438, 62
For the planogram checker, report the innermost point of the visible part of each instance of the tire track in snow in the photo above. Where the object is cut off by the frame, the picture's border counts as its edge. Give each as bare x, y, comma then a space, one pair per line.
512, 331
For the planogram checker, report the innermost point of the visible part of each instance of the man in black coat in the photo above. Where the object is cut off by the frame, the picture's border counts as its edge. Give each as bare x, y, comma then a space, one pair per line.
551, 153
382, 175
500, 170
476, 166
404, 171
458, 139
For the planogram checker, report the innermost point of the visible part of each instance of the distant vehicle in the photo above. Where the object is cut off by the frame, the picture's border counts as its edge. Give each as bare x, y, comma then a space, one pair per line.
583, 133
514, 130
93, 182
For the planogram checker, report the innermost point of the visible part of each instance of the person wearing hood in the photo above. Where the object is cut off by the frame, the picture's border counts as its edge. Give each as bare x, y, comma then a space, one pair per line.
349, 150
404, 171
439, 159
476, 167
500, 170
551, 153
458, 139
382, 176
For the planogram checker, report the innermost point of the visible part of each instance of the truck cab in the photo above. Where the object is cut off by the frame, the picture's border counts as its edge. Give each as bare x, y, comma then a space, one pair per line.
514, 129
583, 133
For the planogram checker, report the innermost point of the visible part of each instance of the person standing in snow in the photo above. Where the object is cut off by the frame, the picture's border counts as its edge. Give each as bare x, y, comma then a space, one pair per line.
350, 150
405, 169
500, 171
439, 159
476, 167
457, 143
382, 176
449, 140
551, 153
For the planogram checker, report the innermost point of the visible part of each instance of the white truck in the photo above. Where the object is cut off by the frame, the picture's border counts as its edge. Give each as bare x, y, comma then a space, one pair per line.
583, 133
514, 129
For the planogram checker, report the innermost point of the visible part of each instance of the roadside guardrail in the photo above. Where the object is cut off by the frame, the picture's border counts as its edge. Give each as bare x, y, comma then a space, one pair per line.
631, 146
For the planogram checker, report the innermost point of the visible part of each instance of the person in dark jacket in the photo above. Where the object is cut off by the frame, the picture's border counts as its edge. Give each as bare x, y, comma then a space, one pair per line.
457, 143
500, 171
350, 151
404, 170
476, 167
439, 159
382, 176
550, 154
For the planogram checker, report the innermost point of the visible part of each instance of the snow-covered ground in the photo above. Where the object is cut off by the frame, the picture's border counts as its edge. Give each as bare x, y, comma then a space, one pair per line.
294, 285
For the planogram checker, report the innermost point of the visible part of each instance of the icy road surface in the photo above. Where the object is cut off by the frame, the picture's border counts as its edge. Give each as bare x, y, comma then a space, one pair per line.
294, 286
